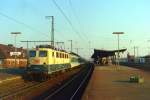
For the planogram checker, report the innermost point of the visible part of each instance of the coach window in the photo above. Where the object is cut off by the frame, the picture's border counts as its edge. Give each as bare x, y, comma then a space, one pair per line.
43, 54
57, 54
32, 53
52, 54
67, 56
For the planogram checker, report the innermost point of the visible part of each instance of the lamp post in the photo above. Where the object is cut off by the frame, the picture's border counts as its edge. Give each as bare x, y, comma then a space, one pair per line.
15, 34
118, 33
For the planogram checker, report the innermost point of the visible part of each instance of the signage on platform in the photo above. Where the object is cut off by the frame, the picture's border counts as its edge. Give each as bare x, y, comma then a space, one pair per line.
15, 53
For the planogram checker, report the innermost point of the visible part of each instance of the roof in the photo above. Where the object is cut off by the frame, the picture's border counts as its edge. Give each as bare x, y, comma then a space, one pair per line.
105, 53
50, 47
147, 56
72, 53
6, 49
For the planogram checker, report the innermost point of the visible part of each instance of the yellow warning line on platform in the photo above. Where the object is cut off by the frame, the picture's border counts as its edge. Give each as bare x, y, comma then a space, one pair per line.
9, 79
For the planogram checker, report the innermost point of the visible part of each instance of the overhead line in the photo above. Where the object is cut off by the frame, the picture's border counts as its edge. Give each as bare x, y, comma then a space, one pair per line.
19, 22
77, 18
65, 16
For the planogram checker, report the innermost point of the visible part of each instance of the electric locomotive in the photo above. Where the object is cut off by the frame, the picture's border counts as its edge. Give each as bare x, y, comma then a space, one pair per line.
45, 60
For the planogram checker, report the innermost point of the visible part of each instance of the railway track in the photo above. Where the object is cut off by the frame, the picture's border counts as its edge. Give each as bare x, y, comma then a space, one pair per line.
10, 91
72, 89
21, 90
142, 66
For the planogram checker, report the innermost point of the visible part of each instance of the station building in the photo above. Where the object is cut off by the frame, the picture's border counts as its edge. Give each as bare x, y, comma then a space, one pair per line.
8, 55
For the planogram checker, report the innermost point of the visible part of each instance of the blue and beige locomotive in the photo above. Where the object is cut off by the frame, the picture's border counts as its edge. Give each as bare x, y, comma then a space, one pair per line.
45, 60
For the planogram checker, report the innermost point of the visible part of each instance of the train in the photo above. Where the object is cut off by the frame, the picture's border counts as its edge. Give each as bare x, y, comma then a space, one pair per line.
45, 60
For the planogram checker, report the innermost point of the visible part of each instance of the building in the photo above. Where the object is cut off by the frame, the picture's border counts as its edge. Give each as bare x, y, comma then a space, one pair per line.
7, 56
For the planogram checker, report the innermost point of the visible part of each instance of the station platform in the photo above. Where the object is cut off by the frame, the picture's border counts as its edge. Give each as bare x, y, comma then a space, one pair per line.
8, 77
112, 83
10, 74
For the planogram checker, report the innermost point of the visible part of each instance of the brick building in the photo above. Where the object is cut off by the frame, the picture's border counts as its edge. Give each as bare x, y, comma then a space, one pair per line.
7, 57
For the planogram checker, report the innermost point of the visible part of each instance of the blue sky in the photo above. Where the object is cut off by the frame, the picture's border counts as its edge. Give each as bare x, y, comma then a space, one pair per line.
94, 21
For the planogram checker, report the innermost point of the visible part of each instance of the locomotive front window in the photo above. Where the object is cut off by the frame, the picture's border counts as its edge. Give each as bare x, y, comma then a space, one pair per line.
32, 53
43, 54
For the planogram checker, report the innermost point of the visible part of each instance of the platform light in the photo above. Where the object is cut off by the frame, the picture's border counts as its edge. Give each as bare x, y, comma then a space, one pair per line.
118, 56
15, 34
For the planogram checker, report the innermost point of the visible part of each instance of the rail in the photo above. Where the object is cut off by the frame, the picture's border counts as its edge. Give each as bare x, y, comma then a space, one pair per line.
74, 93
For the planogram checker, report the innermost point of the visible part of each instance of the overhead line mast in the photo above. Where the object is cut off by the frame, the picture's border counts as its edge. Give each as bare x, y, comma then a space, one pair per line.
70, 45
52, 30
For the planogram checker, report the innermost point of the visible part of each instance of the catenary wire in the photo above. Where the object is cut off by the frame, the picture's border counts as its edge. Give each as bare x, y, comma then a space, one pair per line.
67, 19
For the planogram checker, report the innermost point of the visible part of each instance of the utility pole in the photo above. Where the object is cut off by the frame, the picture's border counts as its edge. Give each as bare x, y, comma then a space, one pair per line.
134, 50
62, 43
148, 47
137, 51
78, 50
15, 34
52, 30
89, 48
27, 52
70, 45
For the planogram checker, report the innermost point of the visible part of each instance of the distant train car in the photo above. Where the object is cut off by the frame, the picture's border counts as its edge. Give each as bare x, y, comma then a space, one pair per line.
76, 60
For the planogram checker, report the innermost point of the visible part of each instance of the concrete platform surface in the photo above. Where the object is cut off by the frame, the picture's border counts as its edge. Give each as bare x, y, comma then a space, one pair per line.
4, 77
11, 74
112, 83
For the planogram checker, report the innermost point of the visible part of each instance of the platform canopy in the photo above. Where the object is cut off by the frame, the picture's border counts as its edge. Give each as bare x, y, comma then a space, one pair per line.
105, 53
